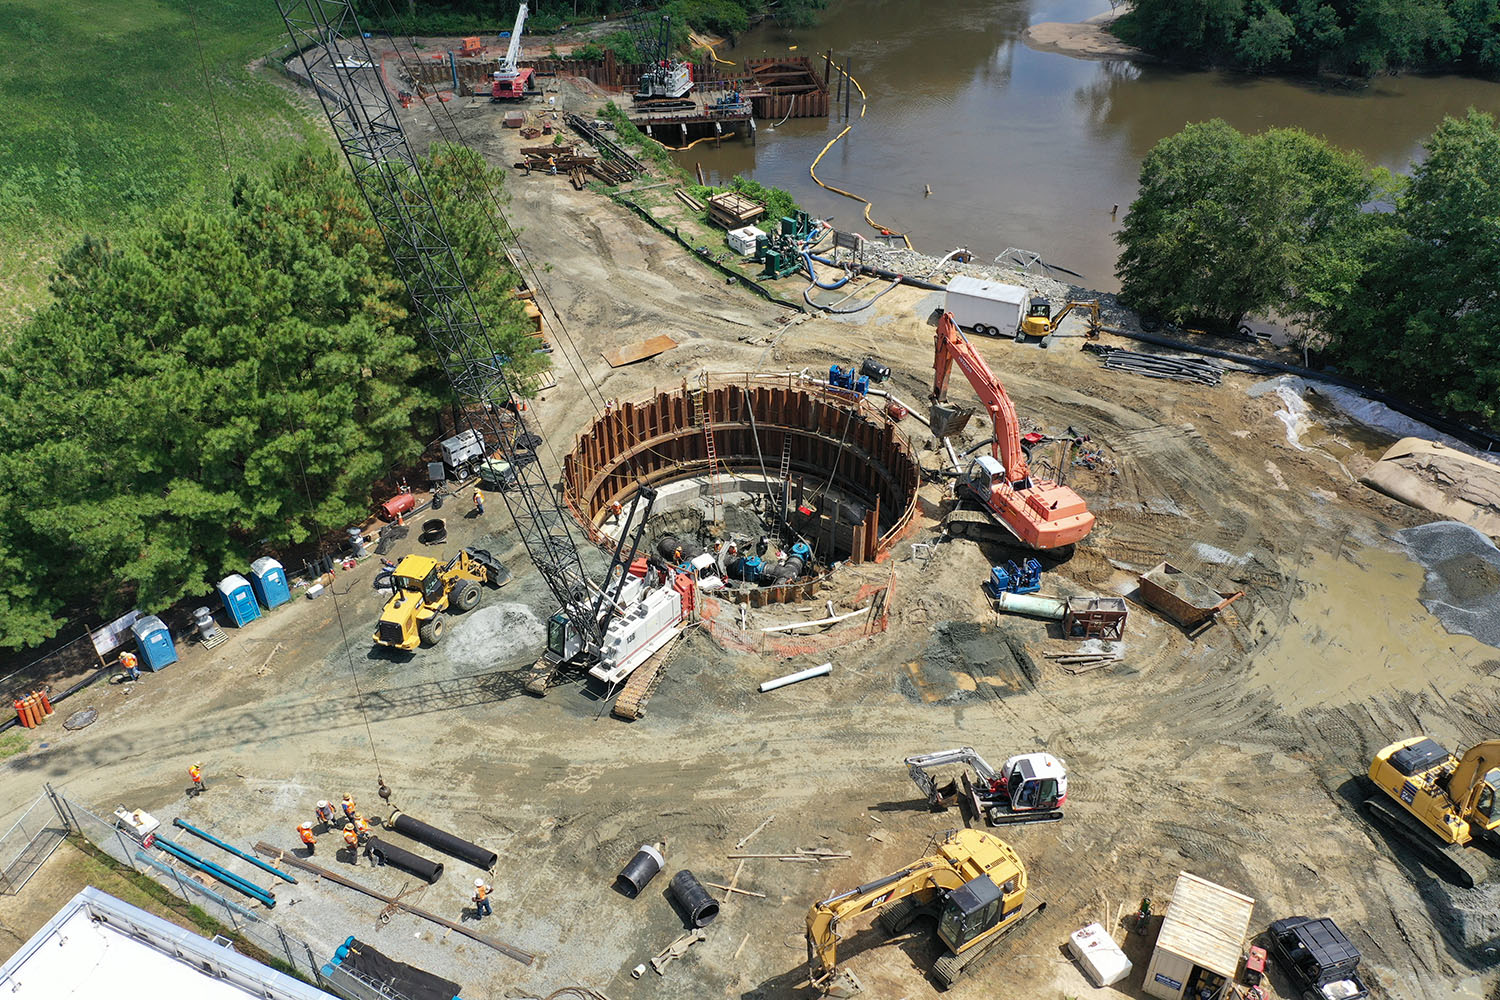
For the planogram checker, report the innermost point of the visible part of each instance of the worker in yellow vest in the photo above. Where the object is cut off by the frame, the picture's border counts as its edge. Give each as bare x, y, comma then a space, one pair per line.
305, 831
351, 840
196, 773
479, 503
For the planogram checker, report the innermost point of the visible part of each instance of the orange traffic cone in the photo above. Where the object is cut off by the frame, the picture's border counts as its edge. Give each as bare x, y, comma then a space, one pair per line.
47, 708
399, 519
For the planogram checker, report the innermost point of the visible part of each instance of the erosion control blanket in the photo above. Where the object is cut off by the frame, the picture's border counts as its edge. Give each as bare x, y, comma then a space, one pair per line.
1448, 483
406, 980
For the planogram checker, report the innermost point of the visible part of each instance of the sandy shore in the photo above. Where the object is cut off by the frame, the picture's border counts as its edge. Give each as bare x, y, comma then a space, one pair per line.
1089, 39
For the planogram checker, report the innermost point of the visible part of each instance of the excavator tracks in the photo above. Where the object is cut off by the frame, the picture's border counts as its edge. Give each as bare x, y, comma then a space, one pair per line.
950, 967
893, 918
1462, 866
643, 682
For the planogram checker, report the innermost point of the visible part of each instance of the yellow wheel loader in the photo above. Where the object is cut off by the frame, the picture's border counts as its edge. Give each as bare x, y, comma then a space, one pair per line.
971, 882
423, 589
1440, 804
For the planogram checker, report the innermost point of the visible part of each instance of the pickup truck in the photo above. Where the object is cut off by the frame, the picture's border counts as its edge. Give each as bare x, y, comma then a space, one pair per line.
1320, 961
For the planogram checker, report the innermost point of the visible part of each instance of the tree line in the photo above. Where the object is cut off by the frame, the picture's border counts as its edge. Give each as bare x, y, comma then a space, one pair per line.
1396, 279
1339, 36
223, 383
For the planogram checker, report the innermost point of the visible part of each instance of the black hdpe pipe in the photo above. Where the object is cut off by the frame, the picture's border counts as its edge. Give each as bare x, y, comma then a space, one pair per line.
700, 907
641, 870
91, 678
881, 272
257, 862
399, 857
442, 840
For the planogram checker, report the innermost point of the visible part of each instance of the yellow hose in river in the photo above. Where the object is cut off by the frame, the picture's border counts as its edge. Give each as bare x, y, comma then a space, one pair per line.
813, 172
677, 149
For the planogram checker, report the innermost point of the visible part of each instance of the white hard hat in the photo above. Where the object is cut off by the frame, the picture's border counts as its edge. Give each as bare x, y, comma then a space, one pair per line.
478, 882
322, 803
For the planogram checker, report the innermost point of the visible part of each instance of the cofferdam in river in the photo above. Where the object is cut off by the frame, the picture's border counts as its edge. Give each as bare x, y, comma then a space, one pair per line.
1031, 149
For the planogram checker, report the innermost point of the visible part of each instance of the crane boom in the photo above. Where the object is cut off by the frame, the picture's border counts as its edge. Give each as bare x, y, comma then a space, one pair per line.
369, 132
508, 68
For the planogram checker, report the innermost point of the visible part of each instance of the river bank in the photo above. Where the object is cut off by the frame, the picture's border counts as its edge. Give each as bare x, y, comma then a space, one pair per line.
1086, 39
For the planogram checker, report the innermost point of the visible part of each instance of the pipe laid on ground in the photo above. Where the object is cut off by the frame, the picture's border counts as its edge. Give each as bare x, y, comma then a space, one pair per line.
881, 272
257, 862
801, 675
821, 621
1050, 608
696, 903
442, 840
222, 901
952, 457
399, 857
640, 871
225, 876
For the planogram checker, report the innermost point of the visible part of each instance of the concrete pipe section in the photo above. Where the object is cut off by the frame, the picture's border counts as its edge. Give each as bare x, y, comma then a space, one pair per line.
846, 473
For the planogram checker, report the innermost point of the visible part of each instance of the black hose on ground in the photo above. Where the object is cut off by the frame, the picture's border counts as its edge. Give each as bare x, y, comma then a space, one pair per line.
442, 840
399, 857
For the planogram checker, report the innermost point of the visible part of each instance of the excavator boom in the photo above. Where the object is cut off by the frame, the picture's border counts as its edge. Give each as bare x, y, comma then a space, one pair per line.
1041, 514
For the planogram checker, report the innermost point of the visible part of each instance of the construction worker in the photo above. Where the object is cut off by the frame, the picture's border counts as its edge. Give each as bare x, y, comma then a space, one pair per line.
349, 810
479, 503
131, 665
305, 831
324, 813
351, 840
361, 827
481, 898
196, 773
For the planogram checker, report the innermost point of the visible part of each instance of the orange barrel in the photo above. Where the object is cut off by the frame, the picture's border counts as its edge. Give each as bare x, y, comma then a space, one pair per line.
47, 708
25, 713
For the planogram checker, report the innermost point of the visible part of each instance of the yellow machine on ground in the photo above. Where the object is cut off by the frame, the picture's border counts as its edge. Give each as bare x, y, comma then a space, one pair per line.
971, 881
1039, 321
424, 588
1446, 803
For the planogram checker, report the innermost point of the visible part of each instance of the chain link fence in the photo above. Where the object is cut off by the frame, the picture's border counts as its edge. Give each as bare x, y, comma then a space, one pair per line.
282, 950
29, 842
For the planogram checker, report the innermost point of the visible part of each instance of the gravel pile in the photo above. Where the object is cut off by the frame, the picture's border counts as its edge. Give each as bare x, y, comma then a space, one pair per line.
1463, 577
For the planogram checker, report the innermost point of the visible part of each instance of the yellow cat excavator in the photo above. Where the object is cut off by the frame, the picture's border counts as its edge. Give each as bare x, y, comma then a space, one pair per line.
1039, 321
1445, 803
970, 880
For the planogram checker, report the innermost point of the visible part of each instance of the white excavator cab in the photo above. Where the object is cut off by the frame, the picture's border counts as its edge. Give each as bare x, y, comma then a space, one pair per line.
1034, 781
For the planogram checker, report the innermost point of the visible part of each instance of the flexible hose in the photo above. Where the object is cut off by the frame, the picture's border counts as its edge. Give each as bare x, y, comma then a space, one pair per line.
813, 170
807, 262
789, 108
678, 149
807, 296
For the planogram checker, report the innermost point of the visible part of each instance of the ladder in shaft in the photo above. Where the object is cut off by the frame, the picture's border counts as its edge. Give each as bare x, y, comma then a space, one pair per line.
702, 413
784, 477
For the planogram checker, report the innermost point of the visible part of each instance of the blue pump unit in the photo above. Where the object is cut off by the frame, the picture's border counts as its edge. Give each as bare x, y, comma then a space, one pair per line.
749, 568
1013, 579
846, 379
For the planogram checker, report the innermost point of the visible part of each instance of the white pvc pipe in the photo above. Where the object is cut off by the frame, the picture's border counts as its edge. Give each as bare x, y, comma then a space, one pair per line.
794, 678
1051, 608
821, 621
952, 457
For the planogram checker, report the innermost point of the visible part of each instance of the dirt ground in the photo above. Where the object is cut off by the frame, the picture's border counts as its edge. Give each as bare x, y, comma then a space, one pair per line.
1234, 755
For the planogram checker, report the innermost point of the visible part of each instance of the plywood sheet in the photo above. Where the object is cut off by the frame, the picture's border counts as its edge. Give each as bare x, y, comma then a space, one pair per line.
639, 351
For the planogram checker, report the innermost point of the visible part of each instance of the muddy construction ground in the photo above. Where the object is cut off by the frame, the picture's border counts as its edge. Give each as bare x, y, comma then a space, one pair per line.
1235, 755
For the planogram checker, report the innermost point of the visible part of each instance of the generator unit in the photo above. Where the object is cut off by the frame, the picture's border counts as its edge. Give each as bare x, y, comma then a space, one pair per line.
848, 380
1011, 578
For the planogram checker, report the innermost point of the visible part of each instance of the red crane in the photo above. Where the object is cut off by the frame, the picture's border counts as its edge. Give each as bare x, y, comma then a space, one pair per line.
1040, 513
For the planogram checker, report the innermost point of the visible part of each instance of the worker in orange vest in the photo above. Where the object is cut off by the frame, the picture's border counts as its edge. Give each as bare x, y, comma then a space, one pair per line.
481, 898
361, 827
349, 810
130, 665
351, 840
305, 832
196, 773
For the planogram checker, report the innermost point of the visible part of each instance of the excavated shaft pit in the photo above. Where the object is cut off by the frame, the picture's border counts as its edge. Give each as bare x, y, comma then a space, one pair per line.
839, 455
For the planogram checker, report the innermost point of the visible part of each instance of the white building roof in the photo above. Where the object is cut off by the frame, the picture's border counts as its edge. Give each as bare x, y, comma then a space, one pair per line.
1206, 924
99, 946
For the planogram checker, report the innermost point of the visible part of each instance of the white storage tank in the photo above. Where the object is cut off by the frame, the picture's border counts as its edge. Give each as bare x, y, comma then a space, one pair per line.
742, 240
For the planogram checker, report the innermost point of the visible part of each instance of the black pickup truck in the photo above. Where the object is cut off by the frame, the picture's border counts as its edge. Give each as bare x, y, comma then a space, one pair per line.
1320, 961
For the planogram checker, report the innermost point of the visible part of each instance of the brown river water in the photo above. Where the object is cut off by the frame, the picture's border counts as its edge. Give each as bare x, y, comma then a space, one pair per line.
1031, 149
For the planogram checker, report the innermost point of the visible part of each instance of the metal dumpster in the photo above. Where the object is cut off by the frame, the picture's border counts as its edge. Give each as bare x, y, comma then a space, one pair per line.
1182, 597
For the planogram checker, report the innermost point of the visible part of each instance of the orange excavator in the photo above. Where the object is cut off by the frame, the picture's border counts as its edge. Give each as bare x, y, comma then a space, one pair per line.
1040, 513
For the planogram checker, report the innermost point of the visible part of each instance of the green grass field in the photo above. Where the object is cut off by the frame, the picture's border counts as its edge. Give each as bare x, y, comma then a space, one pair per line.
109, 121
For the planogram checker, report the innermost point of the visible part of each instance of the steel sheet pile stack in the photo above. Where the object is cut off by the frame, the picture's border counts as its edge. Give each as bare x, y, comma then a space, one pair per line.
1158, 366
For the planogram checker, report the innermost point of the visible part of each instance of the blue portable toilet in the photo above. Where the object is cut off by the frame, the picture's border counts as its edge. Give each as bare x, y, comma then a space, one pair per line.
154, 641
239, 600
269, 581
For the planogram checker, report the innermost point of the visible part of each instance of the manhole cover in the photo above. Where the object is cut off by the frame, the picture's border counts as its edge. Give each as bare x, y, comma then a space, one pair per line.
81, 720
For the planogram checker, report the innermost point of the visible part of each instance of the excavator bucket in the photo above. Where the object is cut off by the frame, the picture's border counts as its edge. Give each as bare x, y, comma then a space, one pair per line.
948, 420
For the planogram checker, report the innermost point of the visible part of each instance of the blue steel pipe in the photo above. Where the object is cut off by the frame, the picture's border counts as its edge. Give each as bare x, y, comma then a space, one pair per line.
169, 870
257, 862
229, 878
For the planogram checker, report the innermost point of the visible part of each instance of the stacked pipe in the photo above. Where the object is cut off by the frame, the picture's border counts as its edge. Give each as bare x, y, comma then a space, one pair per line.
33, 709
1158, 366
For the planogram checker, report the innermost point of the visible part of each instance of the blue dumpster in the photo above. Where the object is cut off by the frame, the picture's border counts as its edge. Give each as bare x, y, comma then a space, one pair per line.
239, 600
269, 581
154, 641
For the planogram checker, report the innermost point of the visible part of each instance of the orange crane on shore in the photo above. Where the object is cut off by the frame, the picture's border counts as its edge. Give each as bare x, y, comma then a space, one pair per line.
1040, 513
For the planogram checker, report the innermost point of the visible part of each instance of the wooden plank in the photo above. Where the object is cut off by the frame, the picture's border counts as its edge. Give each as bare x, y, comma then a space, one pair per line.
281, 857
639, 351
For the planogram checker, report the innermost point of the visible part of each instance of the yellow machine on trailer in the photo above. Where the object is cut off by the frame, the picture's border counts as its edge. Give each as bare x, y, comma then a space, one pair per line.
424, 589
1445, 803
971, 881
